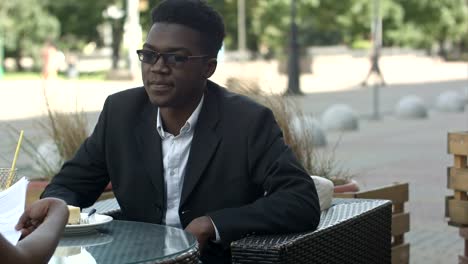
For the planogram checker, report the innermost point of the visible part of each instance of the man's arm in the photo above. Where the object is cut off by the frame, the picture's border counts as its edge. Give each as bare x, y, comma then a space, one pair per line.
83, 178
290, 203
42, 225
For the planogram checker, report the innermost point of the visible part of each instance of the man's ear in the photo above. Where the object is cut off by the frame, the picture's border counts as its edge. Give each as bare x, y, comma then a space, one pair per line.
211, 67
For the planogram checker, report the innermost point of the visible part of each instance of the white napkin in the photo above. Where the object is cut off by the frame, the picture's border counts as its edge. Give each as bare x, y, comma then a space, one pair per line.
12, 201
324, 190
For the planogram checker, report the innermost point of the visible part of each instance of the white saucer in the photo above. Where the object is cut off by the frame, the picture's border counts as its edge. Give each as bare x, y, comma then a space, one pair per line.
94, 221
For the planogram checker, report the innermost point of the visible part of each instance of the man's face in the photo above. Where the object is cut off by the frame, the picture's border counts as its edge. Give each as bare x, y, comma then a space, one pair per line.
182, 84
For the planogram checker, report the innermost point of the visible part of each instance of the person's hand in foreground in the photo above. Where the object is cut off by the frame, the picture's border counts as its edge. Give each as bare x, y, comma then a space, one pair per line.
41, 226
202, 228
39, 212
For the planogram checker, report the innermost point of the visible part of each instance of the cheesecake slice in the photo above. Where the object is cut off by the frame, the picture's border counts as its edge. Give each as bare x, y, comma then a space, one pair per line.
74, 217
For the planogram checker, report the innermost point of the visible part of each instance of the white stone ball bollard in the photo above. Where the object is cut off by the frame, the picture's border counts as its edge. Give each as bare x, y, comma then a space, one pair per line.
310, 127
450, 101
411, 107
465, 95
340, 117
47, 155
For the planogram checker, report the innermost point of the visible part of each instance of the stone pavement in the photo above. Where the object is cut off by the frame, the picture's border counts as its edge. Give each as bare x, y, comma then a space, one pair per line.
392, 150
380, 153
343, 71
338, 73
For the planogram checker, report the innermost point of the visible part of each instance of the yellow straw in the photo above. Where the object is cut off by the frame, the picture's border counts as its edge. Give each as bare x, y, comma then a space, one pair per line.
10, 177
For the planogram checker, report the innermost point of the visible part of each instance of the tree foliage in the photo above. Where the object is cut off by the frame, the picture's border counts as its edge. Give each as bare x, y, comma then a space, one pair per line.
439, 21
413, 23
24, 26
79, 20
228, 9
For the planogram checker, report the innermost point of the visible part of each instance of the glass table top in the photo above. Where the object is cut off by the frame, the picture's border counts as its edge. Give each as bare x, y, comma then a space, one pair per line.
123, 242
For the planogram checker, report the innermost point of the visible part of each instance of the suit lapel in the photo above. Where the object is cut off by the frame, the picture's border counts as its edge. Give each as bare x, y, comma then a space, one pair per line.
149, 145
204, 143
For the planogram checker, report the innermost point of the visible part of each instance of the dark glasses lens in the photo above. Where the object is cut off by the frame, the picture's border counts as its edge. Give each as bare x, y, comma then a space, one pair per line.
174, 59
170, 59
147, 56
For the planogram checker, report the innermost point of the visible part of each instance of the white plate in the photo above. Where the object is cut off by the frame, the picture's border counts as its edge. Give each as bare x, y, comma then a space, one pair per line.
94, 221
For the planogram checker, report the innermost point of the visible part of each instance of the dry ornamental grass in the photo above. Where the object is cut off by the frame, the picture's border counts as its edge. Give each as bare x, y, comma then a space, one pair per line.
66, 131
286, 109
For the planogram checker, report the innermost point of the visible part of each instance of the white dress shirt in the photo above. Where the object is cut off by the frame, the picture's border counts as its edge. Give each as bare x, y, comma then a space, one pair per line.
175, 152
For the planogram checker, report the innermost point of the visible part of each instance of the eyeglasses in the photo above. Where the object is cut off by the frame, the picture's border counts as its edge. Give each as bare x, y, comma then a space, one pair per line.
169, 59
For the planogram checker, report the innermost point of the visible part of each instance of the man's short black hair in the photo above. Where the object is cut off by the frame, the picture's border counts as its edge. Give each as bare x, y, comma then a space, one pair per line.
195, 14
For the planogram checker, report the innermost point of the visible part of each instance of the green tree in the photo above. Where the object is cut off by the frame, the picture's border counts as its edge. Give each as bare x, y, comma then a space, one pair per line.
355, 22
145, 16
228, 9
25, 26
439, 21
79, 19
272, 23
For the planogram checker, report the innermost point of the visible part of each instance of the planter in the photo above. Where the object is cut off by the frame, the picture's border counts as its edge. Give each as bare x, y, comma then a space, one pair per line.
350, 186
107, 193
456, 205
34, 190
398, 193
36, 187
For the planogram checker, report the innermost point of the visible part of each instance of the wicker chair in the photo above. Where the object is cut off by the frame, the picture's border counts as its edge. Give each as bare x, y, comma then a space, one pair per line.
351, 231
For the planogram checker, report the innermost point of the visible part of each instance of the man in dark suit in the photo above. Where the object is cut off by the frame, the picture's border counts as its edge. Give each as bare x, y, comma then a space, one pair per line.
185, 152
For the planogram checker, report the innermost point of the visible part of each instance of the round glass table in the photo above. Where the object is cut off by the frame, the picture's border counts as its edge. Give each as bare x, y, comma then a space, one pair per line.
127, 242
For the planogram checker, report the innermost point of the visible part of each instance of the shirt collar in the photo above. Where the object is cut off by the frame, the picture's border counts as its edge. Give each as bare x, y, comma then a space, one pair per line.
188, 126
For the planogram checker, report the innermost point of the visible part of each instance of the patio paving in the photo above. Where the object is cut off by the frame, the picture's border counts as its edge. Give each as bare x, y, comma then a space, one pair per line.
392, 150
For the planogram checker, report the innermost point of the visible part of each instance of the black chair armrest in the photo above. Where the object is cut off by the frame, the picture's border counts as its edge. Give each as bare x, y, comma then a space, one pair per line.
351, 231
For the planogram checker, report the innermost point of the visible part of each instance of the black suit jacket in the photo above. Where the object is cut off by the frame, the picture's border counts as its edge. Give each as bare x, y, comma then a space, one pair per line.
239, 172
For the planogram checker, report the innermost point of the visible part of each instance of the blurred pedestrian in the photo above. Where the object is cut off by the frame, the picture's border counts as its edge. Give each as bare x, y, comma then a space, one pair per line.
49, 60
375, 68
72, 69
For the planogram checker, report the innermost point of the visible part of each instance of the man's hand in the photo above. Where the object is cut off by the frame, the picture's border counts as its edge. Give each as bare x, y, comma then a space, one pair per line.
202, 228
35, 214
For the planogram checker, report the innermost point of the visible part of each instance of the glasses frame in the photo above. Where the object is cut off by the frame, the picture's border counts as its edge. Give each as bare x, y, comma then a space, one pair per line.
166, 57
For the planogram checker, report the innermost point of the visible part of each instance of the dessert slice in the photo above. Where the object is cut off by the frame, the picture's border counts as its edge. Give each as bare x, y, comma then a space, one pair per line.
74, 217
